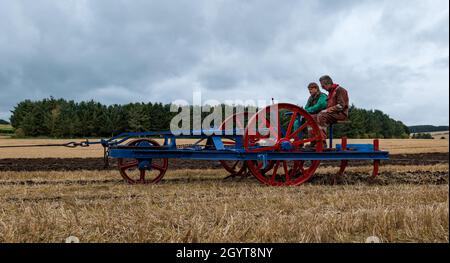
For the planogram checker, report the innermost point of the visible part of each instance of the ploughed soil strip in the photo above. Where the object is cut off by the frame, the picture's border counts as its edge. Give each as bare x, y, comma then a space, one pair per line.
387, 177
73, 164
350, 178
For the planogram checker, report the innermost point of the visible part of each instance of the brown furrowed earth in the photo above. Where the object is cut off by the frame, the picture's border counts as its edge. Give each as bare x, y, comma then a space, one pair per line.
47, 199
389, 174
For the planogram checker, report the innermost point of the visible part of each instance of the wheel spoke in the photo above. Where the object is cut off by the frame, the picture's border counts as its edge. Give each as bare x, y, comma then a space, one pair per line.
297, 143
301, 166
301, 128
259, 165
129, 165
271, 128
286, 171
274, 174
291, 123
158, 167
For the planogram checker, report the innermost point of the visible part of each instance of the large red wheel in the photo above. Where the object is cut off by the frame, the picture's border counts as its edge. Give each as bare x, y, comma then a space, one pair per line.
236, 122
153, 172
272, 129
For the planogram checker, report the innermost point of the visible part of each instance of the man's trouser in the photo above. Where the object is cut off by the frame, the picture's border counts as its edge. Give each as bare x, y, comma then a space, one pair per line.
324, 119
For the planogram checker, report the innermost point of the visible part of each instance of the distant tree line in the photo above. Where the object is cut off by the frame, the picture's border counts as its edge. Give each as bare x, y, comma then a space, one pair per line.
3, 122
370, 124
61, 118
427, 128
422, 136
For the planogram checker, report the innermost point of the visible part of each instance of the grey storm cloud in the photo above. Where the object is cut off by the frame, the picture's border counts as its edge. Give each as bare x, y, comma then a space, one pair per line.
390, 55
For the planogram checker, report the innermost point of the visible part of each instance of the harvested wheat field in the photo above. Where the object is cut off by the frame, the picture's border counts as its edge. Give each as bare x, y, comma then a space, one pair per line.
198, 206
50, 194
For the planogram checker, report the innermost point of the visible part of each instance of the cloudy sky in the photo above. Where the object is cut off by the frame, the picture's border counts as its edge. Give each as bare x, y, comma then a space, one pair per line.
390, 55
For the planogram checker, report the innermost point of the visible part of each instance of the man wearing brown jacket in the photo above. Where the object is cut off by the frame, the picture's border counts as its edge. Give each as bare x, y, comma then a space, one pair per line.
337, 105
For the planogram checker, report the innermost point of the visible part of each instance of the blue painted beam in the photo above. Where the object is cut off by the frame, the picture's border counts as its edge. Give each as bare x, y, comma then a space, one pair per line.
240, 155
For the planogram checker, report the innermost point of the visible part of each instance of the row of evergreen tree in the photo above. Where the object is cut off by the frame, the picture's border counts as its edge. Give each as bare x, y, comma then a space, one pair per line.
371, 124
421, 135
427, 128
60, 118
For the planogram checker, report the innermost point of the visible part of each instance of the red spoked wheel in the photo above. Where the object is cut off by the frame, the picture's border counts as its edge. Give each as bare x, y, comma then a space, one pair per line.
238, 122
149, 173
272, 129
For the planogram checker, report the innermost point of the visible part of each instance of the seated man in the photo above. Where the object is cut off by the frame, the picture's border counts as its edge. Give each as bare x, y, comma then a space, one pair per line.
317, 102
337, 105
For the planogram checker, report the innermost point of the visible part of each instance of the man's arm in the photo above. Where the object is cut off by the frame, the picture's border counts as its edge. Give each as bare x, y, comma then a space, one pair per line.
308, 103
340, 101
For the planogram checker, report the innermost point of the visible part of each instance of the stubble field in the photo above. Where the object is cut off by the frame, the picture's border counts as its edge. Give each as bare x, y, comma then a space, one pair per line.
49, 194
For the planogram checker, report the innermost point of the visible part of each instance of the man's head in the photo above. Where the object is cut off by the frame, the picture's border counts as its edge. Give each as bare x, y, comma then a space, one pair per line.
326, 82
313, 88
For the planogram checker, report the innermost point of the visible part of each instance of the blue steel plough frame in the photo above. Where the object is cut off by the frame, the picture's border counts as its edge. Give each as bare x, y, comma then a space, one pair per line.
216, 150
117, 149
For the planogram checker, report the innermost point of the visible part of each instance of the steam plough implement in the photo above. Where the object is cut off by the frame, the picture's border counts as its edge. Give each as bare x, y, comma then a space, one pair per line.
265, 144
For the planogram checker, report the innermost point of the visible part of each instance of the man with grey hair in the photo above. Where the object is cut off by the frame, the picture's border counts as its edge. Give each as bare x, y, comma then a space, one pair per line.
337, 105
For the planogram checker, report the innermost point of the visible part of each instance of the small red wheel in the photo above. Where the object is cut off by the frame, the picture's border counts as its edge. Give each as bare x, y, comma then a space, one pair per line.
130, 171
271, 129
